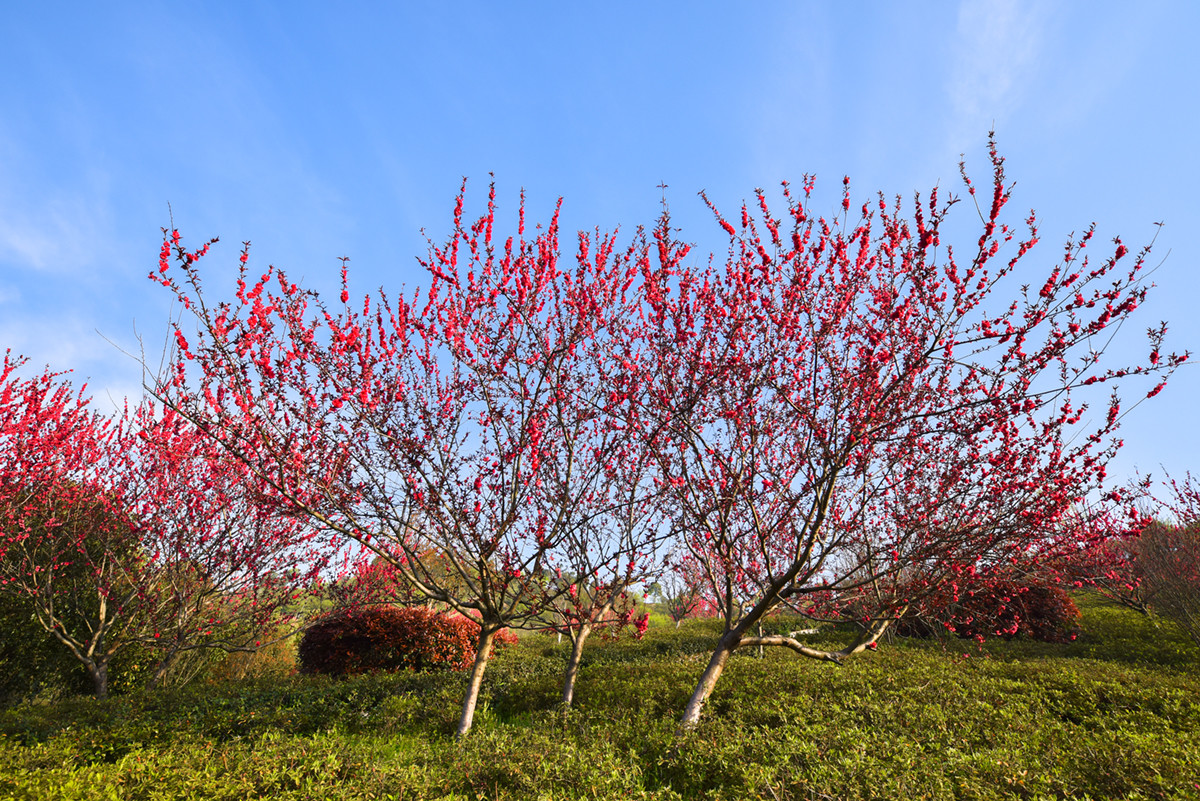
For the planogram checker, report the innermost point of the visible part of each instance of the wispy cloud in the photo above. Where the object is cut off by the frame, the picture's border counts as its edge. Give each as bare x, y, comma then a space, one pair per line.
71, 343
996, 54
57, 250
57, 231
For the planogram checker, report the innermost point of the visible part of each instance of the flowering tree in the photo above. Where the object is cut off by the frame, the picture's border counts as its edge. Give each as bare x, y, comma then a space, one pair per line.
841, 419
1167, 559
1107, 561
135, 530
614, 548
853, 421
682, 588
469, 421
48, 512
225, 563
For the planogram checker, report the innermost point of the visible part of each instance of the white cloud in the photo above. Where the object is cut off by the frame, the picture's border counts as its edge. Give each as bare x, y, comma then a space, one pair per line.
997, 46
71, 343
60, 231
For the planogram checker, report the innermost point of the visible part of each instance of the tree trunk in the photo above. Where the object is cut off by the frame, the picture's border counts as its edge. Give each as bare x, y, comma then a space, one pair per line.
708, 680
487, 635
160, 672
573, 665
99, 673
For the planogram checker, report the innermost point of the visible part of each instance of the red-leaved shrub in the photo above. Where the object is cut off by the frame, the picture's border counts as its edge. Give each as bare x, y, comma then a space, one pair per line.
389, 638
1039, 611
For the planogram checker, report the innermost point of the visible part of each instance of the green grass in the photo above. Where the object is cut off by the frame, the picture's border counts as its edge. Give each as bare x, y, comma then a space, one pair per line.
1115, 714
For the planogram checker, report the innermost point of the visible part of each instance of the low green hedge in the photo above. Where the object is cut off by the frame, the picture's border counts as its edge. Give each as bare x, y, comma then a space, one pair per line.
914, 720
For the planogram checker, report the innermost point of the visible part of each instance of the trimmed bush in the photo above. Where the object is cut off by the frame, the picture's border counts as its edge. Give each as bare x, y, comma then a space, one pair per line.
1042, 612
388, 638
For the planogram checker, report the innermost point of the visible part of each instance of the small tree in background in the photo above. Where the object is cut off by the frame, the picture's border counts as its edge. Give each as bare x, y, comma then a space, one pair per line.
609, 553
1153, 564
1108, 565
1167, 559
585, 609
136, 531
682, 589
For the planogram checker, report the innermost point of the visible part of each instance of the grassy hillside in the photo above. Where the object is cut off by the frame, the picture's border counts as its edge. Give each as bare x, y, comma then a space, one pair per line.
1115, 714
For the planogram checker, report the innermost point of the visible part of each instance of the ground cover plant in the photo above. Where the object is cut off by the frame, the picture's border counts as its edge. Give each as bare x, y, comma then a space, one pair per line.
1113, 714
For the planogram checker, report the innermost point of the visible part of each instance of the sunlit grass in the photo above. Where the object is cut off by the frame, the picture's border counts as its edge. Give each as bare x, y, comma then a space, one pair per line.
1115, 714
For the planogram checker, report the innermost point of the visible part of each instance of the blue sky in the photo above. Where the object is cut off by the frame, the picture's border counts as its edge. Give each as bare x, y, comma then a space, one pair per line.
318, 132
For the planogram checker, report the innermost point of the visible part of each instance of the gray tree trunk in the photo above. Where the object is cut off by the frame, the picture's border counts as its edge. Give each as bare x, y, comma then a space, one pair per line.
573, 665
487, 635
99, 673
708, 680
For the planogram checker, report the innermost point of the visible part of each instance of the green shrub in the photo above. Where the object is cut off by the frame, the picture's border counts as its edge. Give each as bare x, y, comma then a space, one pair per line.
33, 663
274, 660
1018, 719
